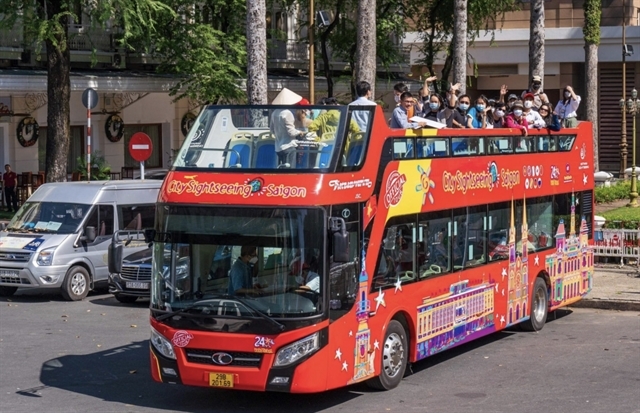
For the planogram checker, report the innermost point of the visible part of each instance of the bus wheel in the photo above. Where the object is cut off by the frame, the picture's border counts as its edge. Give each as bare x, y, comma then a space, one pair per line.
539, 307
7, 291
393, 358
76, 284
126, 299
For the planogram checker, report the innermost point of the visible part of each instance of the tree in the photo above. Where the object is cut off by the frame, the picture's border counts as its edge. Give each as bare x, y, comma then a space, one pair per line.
204, 46
591, 30
435, 23
460, 44
46, 23
365, 68
536, 39
256, 52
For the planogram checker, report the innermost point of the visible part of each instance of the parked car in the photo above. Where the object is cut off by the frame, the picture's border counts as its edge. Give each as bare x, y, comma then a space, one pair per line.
59, 238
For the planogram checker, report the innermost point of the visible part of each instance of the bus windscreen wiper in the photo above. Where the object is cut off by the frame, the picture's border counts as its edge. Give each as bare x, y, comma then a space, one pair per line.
278, 326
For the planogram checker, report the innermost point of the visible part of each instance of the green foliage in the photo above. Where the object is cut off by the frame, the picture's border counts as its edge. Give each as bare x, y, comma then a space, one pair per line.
625, 217
100, 169
592, 14
205, 46
620, 190
434, 20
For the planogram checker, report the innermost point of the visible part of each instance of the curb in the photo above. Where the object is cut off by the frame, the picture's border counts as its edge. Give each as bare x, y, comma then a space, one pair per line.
607, 304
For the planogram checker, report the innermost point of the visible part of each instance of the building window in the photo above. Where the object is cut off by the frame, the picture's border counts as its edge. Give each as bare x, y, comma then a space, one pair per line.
155, 133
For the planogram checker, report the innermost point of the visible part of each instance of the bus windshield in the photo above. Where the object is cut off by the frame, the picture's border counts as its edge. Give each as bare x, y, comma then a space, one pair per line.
276, 137
238, 262
49, 217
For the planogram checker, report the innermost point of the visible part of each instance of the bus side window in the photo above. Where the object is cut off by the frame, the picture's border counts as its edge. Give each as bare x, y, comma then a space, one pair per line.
498, 224
434, 232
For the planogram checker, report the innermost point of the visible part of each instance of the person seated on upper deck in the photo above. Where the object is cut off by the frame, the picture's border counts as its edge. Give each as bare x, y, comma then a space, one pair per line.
551, 119
477, 115
402, 114
456, 110
539, 97
531, 113
496, 117
284, 129
433, 109
398, 90
516, 119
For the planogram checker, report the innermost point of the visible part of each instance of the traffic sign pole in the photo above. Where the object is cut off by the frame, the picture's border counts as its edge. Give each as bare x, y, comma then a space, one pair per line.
89, 137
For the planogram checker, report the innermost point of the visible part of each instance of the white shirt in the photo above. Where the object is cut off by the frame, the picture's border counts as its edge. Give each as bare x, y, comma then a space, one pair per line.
313, 281
568, 110
284, 129
534, 119
360, 116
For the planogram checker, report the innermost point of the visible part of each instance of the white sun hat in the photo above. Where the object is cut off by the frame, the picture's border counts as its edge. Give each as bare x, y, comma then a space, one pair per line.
286, 97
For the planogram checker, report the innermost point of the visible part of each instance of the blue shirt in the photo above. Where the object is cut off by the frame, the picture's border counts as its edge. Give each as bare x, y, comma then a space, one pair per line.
239, 276
399, 119
473, 113
361, 116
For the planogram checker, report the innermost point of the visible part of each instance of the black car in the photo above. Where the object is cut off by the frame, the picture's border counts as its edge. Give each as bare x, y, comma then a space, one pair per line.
135, 279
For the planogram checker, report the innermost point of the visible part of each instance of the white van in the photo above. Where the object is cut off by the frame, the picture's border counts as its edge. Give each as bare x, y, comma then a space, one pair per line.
59, 237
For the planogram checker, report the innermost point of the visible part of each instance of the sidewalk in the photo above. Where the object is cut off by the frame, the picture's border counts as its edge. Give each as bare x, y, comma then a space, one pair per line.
614, 288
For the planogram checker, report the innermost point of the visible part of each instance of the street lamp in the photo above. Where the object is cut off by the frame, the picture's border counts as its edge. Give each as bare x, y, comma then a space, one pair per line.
632, 107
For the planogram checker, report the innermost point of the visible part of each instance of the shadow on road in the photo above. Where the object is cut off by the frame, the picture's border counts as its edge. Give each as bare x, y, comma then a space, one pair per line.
121, 375
45, 295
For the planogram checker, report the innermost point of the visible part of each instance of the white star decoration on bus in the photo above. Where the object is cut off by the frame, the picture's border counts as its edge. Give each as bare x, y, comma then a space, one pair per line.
345, 366
376, 345
503, 292
504, 273
350, 333
398, 285
536, 260
338, 355
584, 179
380, 300
501, 319
497, 287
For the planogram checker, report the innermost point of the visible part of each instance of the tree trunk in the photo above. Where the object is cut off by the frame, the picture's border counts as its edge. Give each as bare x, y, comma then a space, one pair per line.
460, 44
536, 40
591, 95
366, 44
58, 102
256, 52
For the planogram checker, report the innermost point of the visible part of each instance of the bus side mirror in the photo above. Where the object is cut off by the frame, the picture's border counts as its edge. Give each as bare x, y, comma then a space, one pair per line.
149, 235
89, 235
114, 258
340, 239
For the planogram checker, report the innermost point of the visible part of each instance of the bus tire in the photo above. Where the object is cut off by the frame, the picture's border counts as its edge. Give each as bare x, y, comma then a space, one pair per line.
76, 284
393, 358
7, 291
539, 307
126, 299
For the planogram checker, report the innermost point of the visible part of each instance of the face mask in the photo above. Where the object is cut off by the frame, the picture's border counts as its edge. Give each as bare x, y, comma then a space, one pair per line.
434, 106
528, 104
536, 86
464, 106
499, 113
567, 95
480, 108
517, 112
253, 260
397, 98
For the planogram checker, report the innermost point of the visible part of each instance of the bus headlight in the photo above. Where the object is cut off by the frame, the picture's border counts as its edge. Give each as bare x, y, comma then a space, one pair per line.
297, 350
45, 257
162, 344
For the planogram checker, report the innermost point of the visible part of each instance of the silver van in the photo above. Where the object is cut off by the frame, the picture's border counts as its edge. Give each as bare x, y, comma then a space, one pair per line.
60, 236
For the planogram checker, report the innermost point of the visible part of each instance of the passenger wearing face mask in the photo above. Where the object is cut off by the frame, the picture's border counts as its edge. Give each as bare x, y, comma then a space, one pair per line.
433, 109
456, 115
567, 107
398, 90
240, 273
477, 115
496, 118
516, 119
539, 97
533, 117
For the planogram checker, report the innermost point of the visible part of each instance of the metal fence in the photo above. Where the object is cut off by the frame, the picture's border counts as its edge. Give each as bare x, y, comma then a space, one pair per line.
618, 243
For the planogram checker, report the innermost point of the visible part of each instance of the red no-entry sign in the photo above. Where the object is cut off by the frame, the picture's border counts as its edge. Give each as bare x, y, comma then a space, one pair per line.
140, 146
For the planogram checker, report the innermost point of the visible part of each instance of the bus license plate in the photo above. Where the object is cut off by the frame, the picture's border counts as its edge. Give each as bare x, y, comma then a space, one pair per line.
10, 273
137, 285
220, 380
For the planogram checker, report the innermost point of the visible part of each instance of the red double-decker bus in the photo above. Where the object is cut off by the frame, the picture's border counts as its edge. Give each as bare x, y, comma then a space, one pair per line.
368, 249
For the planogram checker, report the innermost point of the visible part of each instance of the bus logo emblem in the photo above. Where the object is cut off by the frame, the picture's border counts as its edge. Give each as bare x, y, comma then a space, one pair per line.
222, 359
395, 183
